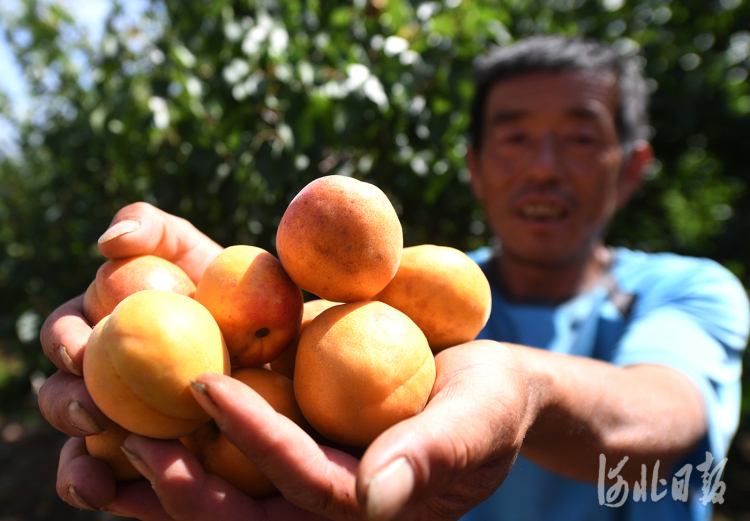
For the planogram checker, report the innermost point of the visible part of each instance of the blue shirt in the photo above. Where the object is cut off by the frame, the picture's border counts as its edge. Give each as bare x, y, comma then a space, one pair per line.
686, 313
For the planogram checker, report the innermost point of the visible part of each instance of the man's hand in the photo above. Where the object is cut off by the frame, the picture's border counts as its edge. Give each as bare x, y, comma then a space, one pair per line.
436, 465
137, 229
141, 229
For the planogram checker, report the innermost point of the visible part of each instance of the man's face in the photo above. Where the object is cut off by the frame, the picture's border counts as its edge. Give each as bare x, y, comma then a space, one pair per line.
549, 166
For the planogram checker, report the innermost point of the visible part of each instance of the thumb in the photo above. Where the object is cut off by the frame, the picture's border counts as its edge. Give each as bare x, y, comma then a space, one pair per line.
455, 453
143, 229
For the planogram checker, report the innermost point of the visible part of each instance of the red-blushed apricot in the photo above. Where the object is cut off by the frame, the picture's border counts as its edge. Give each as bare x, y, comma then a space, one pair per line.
257, 306
120, 278
340, 239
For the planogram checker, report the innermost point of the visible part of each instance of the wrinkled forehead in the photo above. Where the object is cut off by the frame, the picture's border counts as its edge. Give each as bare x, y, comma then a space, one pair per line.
569, 93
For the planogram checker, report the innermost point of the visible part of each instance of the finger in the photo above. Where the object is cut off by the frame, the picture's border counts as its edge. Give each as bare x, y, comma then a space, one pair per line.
143, 229
88, 483
82, 480
137, 499
183, 488
67, 405
186, 492
318, 479
454, 454
64, 335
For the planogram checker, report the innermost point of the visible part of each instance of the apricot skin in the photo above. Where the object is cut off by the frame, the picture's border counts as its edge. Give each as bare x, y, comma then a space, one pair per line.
361, 368
284, 364
140, 359
257, 306
443, 291
120, 278
340, 239
219, 456
106, 447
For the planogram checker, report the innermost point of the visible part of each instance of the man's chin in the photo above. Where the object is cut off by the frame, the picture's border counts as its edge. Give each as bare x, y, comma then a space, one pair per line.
542, 257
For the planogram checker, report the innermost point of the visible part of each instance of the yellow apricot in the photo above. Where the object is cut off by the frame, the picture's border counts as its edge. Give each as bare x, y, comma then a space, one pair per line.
443, 291
361, 368
219, 456
284, 364
139, 362
106, 447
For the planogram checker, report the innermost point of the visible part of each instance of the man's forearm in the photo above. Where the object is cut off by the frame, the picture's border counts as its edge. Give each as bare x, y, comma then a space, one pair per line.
584, 408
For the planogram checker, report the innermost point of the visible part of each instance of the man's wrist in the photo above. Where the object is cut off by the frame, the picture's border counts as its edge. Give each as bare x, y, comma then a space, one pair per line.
535, 380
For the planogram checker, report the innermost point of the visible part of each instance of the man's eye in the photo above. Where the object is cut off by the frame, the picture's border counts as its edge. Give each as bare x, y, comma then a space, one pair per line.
514, 139
581, 139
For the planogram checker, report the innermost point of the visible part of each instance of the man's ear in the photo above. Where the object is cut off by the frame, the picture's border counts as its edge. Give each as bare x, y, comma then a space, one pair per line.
634, 171
472, 163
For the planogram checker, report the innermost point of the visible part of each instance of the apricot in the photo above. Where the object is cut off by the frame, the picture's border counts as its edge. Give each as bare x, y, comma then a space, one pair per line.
257, 306
443, 291
140, 359
106, 447
120, 278
361, 368
340, 239
219, 456
284, 364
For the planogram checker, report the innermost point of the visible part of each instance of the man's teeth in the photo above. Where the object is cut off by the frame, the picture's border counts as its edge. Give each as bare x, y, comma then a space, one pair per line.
541, 211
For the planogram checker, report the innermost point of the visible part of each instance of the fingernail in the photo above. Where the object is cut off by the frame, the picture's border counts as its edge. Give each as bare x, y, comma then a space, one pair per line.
119, 228
389, 490
114, 512
205, 401
138, 463
82, 420
78, 500
68, 361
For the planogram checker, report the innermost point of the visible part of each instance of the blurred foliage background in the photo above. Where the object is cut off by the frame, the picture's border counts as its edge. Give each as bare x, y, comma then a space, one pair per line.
220, 111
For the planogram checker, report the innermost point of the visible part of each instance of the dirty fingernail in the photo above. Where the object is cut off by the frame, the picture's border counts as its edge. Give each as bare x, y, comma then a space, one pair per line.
114, 512
118, 229
139, 464
389, 490
205, 400
68, 361
78, 500
82, 420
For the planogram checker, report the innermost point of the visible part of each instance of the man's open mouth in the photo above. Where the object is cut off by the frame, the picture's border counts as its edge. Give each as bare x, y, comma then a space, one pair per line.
542, 211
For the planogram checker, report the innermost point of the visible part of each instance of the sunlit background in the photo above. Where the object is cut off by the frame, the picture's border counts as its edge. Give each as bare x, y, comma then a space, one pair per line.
221, 111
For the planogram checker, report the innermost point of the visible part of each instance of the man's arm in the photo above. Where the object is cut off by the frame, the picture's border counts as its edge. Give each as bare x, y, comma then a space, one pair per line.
561, 411
588, 407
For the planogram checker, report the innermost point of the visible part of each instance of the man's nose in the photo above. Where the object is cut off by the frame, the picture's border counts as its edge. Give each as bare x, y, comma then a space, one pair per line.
545, 160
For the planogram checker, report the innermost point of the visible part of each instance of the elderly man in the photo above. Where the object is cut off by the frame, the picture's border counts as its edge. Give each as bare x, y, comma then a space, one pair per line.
611, 372
559, 130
